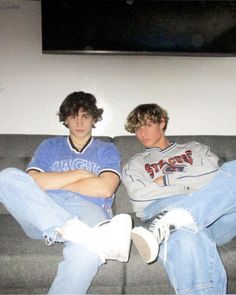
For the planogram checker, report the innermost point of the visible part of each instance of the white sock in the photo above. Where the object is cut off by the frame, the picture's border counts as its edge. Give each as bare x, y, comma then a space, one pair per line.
180, 218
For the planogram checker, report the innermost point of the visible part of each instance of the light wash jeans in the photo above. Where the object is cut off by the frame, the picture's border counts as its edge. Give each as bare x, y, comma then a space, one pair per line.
39, 213
193, 263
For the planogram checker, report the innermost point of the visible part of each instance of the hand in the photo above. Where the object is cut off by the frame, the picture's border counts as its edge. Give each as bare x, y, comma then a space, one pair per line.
159, 180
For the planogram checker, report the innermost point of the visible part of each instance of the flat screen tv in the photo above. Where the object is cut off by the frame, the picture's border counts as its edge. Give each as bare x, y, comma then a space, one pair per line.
139, 27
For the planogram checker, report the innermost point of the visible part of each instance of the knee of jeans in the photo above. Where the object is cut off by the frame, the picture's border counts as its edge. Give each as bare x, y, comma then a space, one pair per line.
230, 165
184, 243
8, 174
193, 264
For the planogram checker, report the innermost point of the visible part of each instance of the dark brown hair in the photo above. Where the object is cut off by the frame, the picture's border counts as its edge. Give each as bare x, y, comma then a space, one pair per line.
79, 100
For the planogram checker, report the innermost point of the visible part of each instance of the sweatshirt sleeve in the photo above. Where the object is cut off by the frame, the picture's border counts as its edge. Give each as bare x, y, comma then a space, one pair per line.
140, 188
197, 173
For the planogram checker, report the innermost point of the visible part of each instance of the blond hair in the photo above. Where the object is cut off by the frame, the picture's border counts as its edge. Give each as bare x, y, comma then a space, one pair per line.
144, 112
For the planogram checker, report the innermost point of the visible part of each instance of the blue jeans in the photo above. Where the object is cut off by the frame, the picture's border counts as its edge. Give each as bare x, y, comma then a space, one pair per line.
39, 213
193, 262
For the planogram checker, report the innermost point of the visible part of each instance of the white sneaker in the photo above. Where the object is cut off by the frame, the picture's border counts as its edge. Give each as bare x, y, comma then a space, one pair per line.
145, 243
147, 240
115, 237
110, 239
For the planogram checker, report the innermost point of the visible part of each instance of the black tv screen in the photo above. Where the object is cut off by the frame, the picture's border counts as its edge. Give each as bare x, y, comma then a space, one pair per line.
139, 27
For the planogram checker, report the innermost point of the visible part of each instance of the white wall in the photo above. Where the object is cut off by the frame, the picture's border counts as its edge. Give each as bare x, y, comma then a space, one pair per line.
198, 92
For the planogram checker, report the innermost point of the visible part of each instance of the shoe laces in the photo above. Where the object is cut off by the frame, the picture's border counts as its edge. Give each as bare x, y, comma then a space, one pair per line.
161, 231
49, 241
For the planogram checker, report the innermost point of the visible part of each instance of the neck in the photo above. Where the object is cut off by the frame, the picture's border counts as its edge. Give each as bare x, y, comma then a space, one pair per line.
79, 143
164, 144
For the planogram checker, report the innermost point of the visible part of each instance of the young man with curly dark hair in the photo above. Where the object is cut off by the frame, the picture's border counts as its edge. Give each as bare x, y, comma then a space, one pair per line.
66, 196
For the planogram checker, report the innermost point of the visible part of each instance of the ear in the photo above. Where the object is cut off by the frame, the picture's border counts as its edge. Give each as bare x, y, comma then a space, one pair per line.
93, 123
162, 124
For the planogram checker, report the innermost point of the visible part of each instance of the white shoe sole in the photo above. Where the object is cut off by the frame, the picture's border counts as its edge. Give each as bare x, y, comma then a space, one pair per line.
145, 243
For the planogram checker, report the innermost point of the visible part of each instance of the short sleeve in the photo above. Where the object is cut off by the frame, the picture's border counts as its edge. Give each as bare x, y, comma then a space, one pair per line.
40, 160
110, 159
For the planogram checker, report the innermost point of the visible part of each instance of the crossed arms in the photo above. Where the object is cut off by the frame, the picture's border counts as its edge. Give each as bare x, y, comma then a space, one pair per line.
81, 181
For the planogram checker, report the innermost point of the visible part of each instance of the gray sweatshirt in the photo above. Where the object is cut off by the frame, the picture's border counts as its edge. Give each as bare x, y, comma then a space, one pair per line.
185, 167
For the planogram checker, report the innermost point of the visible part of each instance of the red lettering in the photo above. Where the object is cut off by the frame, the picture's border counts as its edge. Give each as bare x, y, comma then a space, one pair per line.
149, 170
187, 157
171, 161
153, 168
178, 159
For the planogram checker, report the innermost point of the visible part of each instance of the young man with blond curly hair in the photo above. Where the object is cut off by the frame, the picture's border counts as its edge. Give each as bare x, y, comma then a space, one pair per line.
186, 201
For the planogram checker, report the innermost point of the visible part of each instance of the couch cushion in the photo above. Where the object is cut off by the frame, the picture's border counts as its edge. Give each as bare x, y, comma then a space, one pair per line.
128, 146
29, 266
142, 278
25, 263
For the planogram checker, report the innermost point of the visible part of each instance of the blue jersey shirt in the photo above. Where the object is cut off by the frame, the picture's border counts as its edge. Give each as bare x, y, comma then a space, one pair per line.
58, 154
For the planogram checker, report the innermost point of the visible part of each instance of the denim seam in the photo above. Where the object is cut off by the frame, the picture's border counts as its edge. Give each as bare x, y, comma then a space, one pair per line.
198, 286
208, 285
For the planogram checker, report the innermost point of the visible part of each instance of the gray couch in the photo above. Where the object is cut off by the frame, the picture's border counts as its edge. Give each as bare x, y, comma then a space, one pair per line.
28, 266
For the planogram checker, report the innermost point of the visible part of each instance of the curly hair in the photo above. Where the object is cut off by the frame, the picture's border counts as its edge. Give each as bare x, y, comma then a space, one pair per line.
144, 112
79, 100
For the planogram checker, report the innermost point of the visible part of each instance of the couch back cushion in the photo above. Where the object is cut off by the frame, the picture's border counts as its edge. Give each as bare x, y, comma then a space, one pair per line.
223, 146
16, 150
